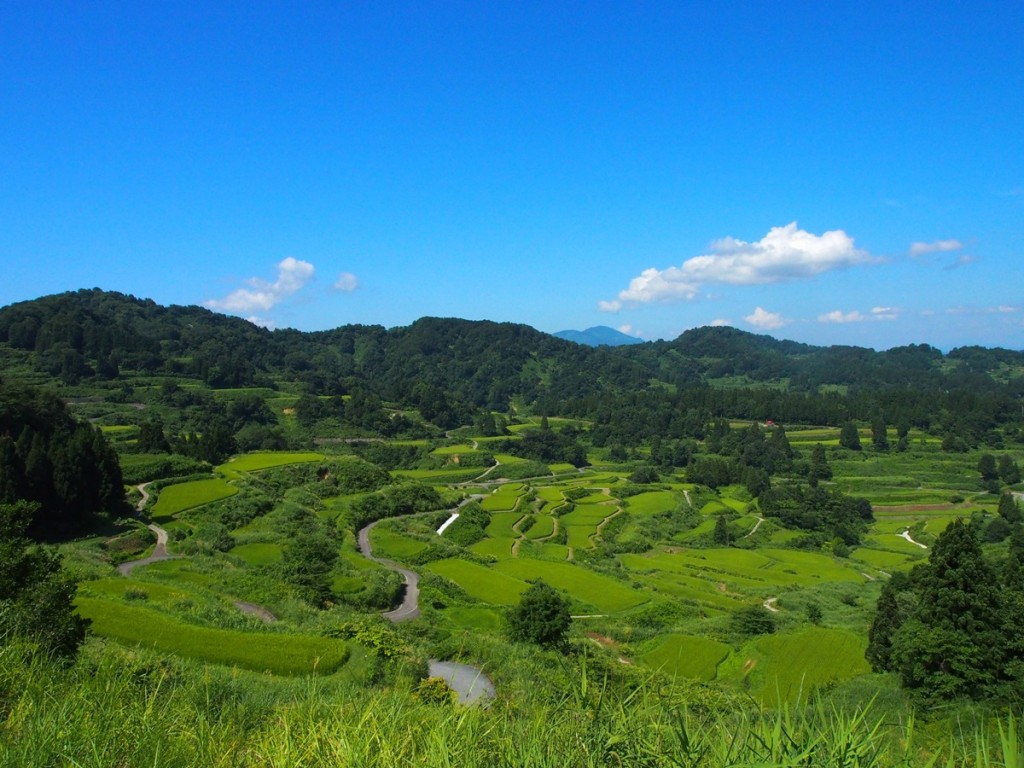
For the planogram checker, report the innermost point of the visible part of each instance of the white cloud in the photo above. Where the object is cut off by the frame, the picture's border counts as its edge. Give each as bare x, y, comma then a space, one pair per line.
785, 253
962, 261
1001, 309
720, 322
838, 316
856, 316
769, 321
885, 313
629, 330
936, 246
346, 282
292, 275
653, 286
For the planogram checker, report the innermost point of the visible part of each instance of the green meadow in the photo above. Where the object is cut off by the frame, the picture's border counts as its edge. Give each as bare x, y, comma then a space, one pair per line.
278, 654
175, 499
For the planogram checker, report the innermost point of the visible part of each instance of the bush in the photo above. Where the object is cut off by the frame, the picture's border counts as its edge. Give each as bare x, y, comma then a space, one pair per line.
751, 621
542, 617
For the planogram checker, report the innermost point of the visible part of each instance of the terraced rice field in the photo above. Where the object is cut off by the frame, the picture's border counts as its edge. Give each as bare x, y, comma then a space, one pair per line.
687, 656
394, 545
653, 502
542, 528
253, 462
258, 553
789, 665
502, 523
178, 498
761, 572
479, 581
279, 654
604, 593
495, 547
503, 499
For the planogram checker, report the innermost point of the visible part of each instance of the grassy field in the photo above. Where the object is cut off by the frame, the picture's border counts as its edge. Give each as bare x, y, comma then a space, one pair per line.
788, 665
501, 524
253, 462
653, 502
261, 553
543, 527
504, 498
602, 592
480, 582
175, 499
278, 654
686, 656
391, 544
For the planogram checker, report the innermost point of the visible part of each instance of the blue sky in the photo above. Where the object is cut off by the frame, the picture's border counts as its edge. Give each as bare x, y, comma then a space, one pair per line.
836, 173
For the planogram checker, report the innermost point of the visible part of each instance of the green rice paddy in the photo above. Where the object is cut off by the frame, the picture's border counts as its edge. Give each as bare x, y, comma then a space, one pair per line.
175, 499
687, 656
276, 653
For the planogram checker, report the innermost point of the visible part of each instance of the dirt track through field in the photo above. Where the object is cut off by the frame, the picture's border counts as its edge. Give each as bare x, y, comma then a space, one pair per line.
470, 683
159, 551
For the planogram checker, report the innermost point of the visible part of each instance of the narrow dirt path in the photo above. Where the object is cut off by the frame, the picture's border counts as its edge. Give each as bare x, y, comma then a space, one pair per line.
409, 608
769, 604
255, 610
470, 683
486, 472
520, 536
159, 551
753, 530
906, 535
599, 530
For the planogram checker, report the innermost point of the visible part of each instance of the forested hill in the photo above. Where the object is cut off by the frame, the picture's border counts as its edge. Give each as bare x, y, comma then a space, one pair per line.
435, 362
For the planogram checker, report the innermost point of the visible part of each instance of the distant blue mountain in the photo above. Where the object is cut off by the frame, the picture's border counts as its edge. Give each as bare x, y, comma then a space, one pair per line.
599, 335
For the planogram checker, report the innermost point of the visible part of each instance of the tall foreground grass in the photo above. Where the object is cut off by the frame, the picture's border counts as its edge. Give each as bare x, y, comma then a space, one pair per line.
115, 708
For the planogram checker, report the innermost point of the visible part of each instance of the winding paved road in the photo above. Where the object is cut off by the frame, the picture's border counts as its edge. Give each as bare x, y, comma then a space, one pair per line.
470, 683
409, 608
159, 551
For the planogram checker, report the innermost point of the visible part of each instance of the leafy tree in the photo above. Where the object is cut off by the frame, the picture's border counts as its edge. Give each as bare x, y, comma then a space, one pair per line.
542, 617
819, 468
721, 535
849, 437
781, 450
151, 436
35, 597
879, 436
987, 467
752, 620
644, 474
1008, 470
309, 558
1008, 508
954, 643
469, 527
895, 604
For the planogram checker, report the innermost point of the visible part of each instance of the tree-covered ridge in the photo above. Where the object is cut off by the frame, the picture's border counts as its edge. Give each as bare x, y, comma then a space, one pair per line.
481, 363
65, 466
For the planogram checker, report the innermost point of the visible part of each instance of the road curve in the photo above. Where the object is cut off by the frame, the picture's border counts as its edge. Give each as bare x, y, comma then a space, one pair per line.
470, 684
159, 551
409, 608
